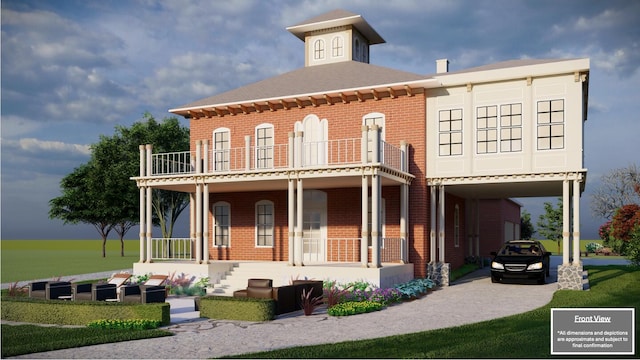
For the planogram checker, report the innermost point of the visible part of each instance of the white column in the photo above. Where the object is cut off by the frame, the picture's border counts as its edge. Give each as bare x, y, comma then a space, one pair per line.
299, 234
441, 233
375, 152
148, 205
565, 222
299, 149
576, 222
291, 150
375, 220
198, 223
364, 142
432, 231
205, 223
404, 220
477, 228
364, 232
247, 152
142, 205
291, 206
192, 216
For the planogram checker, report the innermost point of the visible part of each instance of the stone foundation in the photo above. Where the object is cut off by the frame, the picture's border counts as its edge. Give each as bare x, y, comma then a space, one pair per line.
439, 273
570, 277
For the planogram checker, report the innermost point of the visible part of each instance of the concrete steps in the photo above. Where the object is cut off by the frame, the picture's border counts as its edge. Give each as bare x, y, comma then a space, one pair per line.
241, 272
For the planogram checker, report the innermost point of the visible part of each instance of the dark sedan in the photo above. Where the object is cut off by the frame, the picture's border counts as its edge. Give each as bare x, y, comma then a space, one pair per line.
521, 260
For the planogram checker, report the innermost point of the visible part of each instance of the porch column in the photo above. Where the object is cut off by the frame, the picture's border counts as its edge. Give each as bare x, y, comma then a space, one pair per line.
576, 221
364, 232
142, 208
375, 220
432, 231
298, 246
198, 202
291, 149
404, 220
148, 204
441, 224
364, 142
469, 225
192, 216
291, 206
565, 222
205, 205
477, 230
299, 149
247, 152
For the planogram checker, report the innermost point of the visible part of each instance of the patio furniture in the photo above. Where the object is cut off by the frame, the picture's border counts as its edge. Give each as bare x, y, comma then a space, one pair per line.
49, 290
142, 294
94, 292
263, 288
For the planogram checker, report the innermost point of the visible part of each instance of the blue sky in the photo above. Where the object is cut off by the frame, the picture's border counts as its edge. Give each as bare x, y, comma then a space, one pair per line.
74, 69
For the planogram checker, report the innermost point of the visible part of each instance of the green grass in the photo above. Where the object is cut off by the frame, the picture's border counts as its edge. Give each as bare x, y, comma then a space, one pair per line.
524, 335
24, 260
28, 339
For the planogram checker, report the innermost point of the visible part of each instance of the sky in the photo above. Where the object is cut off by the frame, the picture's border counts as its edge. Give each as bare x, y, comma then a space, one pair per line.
73, 70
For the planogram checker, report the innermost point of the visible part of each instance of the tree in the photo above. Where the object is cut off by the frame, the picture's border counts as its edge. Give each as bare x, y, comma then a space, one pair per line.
550, 223
84, 200
617, 189
526, 227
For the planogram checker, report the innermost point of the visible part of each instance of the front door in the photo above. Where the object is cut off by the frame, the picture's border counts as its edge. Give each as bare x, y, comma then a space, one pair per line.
312, 241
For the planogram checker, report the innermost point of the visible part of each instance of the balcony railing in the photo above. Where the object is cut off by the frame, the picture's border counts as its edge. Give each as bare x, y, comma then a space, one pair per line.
279, 156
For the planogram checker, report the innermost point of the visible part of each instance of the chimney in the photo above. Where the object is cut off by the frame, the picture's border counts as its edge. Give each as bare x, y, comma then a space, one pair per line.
442, 66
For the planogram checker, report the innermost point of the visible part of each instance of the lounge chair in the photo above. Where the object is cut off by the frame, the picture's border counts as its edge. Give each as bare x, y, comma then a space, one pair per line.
94, 292
151, 291
49, 290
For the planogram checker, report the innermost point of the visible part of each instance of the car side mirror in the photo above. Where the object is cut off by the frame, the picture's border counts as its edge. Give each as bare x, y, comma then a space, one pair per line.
493, 253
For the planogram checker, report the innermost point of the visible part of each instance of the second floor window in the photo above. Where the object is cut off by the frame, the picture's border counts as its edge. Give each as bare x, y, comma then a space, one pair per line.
264, 146
264, 223
487, 129
450, 132
221, 150
511, 127
550, 124
222, 224
337, 46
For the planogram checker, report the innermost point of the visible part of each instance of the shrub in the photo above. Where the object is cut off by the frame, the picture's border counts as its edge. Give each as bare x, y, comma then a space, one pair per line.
592, 247
385, 296
354, 307
237, 308
309, 304
335, 295
415, 287
130, 324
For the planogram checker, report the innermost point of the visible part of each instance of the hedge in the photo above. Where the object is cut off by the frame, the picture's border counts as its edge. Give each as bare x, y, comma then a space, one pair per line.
231, 308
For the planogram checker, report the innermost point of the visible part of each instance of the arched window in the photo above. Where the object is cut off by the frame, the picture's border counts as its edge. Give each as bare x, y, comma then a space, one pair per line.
318, 49
337, 46
264, 223
221, 224
221, 148
264, 146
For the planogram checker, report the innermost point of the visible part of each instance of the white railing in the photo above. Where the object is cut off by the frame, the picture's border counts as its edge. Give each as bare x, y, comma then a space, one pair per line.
391, 156
392, 249
172, 248
172, 163
343, 250
332, 152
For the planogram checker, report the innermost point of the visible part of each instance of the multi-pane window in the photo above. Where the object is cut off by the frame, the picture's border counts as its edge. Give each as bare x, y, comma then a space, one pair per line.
511, 127
318, 49
337, 46
221, 150
450, 132
487, 129
222, 224
264, 223
264, 147
550, 124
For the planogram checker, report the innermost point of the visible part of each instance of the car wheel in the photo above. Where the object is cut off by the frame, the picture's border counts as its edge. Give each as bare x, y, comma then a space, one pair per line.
542, 280
495, 279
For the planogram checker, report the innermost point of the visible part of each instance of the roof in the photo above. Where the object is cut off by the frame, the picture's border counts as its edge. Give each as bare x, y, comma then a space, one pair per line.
318, 79
336, 18
506, 65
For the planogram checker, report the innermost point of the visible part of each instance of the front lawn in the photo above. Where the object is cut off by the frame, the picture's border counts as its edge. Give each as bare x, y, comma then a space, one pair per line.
611, 286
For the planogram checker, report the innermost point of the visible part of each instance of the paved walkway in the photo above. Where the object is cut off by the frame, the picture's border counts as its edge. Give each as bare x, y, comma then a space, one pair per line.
471, 299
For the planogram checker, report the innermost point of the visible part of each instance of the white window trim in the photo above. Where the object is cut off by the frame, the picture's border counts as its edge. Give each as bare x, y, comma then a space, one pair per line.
564, 124
273, 134
273, 214
213, 157
215, 224
499, 128
461, 131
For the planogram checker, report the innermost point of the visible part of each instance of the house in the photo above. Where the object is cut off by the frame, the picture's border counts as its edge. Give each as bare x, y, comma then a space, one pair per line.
346, 170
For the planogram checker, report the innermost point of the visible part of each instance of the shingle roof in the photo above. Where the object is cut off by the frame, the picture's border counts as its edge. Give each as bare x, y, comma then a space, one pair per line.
310, 80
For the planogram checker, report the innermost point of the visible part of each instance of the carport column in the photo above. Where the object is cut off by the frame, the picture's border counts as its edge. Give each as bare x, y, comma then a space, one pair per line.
142, 190
291, 220
364, 232
205, 206
404, 205
565, 222
198, 202
441, 223
576, 222
148, 201
376, 190
477, 230
432, 231
299, 225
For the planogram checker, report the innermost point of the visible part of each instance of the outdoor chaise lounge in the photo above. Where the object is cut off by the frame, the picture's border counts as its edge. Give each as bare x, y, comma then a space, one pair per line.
94, 292
50, 290
151, 291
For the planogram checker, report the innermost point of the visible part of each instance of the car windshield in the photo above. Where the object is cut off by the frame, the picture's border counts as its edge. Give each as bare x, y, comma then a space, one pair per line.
526, 249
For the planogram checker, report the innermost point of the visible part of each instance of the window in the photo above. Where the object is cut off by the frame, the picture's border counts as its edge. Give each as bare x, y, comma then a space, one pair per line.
450, 132
487, 127
264, 146
550, 124
511, 127
318, 49
337, 46
221, 149
222, 224
370, 120
264, 223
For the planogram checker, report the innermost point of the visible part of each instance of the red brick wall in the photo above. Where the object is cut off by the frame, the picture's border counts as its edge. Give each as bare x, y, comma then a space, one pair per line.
493, 215
404, 120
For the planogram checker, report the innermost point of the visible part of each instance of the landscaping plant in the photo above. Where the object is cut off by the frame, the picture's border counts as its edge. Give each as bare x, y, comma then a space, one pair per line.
137, 324
354, 308
309, 303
